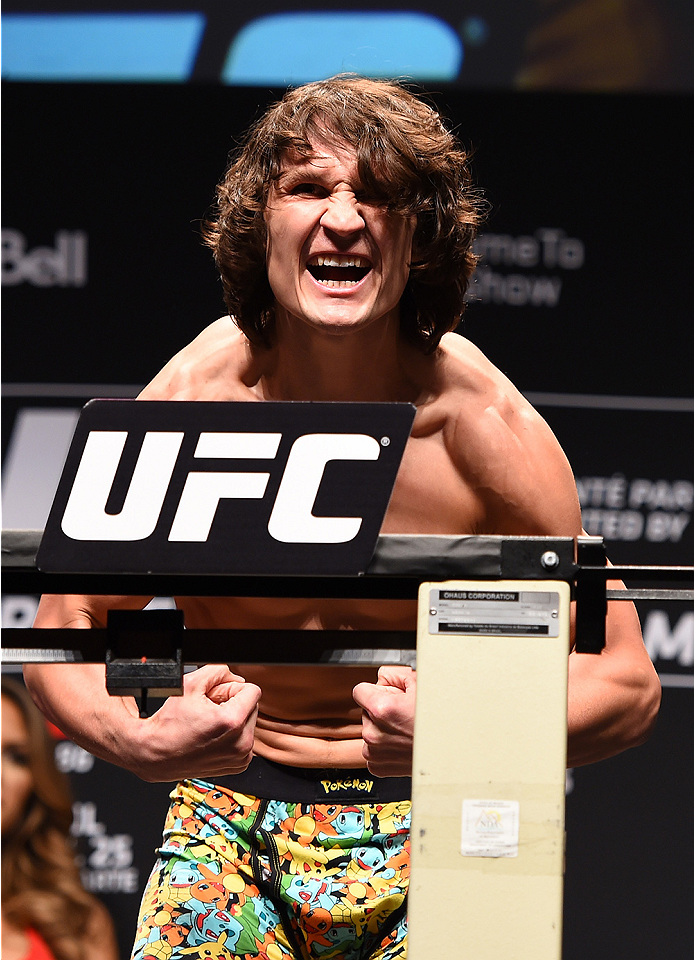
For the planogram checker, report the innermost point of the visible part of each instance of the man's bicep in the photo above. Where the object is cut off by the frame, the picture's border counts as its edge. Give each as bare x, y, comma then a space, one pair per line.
536, 502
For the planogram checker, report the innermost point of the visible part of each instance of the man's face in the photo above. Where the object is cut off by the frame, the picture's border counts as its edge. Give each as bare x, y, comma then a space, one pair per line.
336, 259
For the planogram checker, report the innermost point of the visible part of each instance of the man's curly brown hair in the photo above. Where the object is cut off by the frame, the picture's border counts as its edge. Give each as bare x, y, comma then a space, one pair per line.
406, 159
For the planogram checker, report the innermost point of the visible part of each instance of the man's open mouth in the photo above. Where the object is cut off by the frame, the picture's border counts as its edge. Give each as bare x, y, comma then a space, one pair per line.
337, 270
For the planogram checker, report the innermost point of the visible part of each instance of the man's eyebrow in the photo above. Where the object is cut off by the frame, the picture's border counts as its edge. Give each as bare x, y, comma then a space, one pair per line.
302, 168
296, 171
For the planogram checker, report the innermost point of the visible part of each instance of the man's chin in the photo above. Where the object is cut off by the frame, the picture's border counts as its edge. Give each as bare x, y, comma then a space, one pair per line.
344, 328
336, 324
331, 320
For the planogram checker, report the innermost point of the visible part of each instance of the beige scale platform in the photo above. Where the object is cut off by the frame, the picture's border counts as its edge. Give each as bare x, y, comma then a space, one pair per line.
488, 780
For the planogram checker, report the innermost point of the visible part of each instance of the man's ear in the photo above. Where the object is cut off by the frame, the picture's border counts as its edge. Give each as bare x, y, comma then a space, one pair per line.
420, 236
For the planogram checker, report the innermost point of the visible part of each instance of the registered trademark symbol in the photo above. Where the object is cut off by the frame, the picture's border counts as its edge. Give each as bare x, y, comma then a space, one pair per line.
385, 441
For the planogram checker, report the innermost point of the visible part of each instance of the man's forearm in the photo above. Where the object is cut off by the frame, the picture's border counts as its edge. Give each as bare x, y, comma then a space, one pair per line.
75, 699
608, 712
207, 732
614, 696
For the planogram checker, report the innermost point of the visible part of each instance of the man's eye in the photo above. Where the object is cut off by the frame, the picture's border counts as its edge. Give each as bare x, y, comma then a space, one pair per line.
370, 199
307, 189
17, 756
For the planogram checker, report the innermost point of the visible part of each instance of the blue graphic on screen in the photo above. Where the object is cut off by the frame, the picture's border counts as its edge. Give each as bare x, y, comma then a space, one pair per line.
129, 46
300, 47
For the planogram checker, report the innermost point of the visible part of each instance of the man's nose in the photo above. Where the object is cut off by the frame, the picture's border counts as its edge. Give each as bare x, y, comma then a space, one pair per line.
342, 215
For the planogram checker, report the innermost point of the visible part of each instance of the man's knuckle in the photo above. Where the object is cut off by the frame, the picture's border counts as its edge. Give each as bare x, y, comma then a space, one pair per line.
377, 711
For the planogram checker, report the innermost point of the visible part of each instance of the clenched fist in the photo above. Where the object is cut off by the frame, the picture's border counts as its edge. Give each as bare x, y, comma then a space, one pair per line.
388, 721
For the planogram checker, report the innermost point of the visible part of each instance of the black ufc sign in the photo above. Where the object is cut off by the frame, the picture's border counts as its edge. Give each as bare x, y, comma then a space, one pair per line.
247, 488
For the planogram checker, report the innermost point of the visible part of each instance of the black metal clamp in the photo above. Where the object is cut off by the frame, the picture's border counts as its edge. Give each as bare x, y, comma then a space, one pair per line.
144, 654
590, 596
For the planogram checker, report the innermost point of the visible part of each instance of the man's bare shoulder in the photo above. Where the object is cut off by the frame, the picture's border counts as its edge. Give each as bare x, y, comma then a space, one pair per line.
472, 386
503, 446
216, 365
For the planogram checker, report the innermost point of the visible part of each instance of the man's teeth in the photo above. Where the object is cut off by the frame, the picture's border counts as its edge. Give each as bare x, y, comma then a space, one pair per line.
325, 269
342, 262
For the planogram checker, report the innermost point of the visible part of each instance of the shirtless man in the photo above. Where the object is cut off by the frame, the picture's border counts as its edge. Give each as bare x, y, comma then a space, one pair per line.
343, 236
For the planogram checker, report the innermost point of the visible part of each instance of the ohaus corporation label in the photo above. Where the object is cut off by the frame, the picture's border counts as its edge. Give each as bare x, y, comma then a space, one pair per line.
489, 612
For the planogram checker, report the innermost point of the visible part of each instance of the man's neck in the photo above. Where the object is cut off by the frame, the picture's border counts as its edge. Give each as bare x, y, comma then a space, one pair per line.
367, 365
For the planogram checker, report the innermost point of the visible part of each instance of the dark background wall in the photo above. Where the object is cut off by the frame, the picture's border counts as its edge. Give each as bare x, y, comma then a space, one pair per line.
590, 195
582, 299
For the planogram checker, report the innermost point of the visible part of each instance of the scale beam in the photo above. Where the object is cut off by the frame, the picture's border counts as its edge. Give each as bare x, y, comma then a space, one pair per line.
399, 565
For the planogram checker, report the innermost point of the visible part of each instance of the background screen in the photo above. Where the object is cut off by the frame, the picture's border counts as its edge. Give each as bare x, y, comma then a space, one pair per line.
524, 44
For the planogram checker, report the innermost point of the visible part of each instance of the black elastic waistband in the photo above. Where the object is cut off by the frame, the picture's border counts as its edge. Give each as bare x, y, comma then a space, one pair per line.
276, 781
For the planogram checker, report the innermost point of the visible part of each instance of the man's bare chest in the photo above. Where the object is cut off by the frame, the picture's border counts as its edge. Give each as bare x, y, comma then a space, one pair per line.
431, 495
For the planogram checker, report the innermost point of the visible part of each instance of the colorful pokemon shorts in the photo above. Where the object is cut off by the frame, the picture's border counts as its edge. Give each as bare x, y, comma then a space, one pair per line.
242, 876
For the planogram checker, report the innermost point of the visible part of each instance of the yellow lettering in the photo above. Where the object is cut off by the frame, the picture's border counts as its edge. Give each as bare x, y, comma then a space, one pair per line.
331, 786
